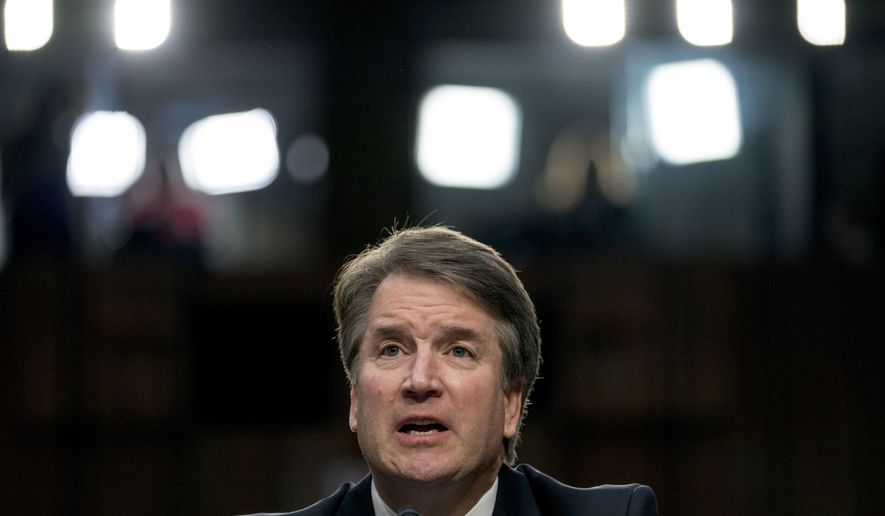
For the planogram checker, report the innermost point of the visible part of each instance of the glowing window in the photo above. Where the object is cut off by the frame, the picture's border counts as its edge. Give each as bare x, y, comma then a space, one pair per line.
141, 24
705, 22
821, 22
468, 137
593, 23
693, 112
234, 152
107, 154
28, 23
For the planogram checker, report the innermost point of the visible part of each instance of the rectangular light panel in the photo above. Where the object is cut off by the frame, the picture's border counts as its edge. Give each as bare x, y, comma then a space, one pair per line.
233, 152
141, 24
107, 154
705, 22
594, 23
821, 22
693, 112
28, 24
468, 137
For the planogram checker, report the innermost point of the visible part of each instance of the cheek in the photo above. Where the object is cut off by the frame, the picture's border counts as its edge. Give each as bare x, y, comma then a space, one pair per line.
486, 394
375, 392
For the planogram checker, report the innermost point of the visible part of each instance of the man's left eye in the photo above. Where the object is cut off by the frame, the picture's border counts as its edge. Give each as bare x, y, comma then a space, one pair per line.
460, 352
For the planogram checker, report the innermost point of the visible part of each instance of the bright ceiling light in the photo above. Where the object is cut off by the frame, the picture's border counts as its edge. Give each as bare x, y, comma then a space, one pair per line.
141, 24
821, 22
234, 152
705, 22
594, 23
693, 112
107, 154
468, 137
27, 23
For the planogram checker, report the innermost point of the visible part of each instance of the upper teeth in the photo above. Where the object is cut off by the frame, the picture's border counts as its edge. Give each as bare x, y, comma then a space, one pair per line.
421, 426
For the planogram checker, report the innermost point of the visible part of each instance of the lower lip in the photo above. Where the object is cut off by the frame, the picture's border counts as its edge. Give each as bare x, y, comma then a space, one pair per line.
428, 439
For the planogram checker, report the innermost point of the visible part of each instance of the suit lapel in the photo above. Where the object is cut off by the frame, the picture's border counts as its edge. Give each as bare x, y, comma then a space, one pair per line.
358, 500
515, 496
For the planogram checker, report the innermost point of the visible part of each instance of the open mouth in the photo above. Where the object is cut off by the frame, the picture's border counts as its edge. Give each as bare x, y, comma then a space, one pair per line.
422, 428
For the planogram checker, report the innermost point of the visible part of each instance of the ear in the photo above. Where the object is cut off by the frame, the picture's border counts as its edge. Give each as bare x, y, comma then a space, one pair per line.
512, 408
354, 409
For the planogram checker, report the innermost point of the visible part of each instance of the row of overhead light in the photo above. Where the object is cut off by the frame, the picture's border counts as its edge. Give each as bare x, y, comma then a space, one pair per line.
701, 22
145, 24
138, 24
467, 137
219, 154
227, 153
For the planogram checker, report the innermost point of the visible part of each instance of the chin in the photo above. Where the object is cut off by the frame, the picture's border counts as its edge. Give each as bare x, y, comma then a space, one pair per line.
426, 471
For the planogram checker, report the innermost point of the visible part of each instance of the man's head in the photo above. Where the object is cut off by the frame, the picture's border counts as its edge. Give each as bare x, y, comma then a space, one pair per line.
450, 259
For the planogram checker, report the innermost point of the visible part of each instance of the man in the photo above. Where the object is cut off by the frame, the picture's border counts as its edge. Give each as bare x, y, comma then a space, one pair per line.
441, 345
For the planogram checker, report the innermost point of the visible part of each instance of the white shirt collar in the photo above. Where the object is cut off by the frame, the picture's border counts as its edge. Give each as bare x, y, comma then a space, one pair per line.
484, 507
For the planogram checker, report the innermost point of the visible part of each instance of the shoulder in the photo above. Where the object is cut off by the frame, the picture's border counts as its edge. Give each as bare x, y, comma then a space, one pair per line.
554, 497
347, 499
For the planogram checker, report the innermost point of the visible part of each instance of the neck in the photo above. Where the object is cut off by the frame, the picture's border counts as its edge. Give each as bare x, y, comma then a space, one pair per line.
441, 498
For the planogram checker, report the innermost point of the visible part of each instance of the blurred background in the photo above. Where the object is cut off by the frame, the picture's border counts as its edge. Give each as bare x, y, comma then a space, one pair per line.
692, 191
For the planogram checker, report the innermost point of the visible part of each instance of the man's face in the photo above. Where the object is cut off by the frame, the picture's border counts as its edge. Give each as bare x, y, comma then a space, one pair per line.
428, 404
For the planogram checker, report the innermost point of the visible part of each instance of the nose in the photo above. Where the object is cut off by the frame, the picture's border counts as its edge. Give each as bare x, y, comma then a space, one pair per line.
422, 380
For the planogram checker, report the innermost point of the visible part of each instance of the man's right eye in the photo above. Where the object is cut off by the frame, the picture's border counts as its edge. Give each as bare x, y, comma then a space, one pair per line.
390, 351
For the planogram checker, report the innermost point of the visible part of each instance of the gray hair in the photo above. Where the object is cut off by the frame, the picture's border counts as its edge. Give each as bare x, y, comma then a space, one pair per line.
451, 258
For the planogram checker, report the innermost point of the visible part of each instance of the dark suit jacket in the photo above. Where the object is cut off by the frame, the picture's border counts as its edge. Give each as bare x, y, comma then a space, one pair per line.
523, 491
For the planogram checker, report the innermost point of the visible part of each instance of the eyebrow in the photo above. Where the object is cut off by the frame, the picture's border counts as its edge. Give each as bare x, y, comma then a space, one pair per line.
388, 331
462, 333
448, 332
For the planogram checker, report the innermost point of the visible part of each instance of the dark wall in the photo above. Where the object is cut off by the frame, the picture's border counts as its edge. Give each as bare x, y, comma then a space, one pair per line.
730, 389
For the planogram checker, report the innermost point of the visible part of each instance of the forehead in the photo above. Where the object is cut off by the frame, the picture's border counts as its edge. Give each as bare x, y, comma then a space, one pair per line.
411, 295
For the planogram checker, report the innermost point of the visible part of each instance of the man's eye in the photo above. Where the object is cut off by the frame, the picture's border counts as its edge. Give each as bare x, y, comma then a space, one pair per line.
390, 351
460, 352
